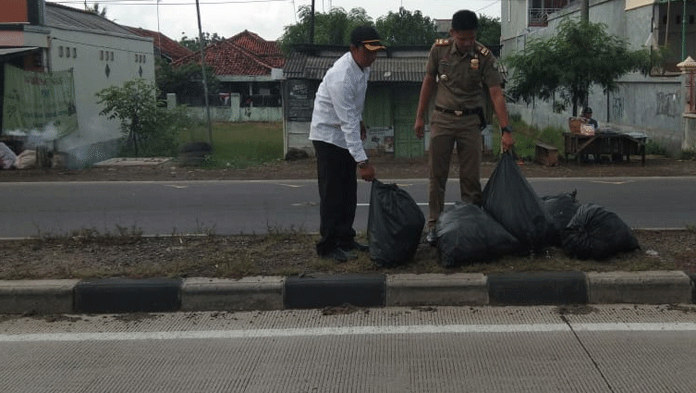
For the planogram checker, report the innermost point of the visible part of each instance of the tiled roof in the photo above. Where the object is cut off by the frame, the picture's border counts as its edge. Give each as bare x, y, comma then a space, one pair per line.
167, 47
244, 54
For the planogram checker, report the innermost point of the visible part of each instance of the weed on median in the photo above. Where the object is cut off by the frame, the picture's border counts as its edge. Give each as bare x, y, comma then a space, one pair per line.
89, 254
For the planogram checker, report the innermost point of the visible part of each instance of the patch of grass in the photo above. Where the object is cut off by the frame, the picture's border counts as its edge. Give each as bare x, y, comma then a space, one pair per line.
121, 235
291, 254
526, 138
321, 264
289, 272
656, 149
688, 155
237, 266
239, 145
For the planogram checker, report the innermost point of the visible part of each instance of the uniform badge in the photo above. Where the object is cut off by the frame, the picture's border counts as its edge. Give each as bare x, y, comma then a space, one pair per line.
474, 64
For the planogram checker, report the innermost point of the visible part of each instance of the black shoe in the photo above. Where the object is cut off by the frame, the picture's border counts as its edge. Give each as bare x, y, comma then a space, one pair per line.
431, 237
340, 255
358, 247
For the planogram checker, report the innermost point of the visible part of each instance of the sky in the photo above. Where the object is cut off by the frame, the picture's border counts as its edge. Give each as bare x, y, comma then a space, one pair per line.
267, 18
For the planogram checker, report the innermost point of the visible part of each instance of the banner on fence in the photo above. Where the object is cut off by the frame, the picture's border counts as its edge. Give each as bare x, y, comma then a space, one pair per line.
34, 100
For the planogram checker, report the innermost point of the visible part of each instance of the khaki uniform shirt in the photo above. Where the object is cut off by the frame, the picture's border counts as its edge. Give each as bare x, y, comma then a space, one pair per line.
461, 78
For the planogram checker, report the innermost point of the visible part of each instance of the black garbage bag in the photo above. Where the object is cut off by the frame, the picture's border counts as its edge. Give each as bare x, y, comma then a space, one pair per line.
597, 233
394, 225
510, 199
561, 208
467, 234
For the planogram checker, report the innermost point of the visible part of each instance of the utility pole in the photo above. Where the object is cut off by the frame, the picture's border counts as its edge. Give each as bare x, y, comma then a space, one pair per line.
585, 11
205, 80
311, 26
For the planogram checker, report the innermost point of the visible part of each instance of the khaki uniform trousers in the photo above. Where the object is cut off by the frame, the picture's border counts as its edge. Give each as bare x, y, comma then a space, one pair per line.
448, 131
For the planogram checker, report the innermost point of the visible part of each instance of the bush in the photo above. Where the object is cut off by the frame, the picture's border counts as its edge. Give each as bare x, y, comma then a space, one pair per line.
656, 149
149, 129
688, 155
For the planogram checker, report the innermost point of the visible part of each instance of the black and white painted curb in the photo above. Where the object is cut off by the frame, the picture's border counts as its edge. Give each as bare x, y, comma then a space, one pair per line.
120, 295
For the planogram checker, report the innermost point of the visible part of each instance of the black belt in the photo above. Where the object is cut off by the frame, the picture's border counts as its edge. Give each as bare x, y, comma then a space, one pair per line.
465, 112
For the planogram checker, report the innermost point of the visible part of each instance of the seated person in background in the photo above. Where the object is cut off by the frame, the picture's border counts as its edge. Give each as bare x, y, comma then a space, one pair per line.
587, 115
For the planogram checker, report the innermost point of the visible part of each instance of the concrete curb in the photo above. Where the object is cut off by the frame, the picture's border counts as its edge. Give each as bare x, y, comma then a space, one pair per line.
121, 295
37, 296
362, 290
653, 287
250, 293
116, 295
436, 289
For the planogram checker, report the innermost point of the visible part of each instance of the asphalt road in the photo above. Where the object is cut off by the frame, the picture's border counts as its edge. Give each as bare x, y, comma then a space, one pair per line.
233, 207
621, 348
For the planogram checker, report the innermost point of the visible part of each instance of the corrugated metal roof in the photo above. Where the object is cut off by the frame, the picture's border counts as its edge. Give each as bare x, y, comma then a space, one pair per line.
15, 51
61, 16
384, 69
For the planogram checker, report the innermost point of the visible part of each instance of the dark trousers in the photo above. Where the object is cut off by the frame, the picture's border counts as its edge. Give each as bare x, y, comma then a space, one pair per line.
338, 188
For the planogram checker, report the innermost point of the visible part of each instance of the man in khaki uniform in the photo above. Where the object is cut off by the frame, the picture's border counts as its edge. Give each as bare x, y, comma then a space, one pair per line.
461, 68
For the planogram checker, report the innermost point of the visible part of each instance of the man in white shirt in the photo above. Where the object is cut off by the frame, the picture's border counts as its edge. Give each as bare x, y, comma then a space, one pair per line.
337, 132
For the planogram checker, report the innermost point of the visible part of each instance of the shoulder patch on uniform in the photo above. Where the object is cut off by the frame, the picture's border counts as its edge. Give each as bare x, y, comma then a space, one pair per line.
482, 49
442, 42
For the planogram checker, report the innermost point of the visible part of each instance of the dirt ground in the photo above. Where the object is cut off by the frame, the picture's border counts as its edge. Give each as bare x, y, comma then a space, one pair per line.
89, 254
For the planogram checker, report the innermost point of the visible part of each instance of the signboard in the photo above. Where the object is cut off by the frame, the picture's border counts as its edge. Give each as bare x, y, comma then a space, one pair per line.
22, 11
380, 138
34, 100
14, 12
300, 100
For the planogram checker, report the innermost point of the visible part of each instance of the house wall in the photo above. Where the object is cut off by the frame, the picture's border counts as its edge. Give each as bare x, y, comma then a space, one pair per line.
91, 53
652, 105
390, 110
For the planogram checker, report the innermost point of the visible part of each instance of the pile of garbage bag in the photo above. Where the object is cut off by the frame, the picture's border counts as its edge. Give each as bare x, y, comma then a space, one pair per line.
581, 230
394, 225
512, 220
467, 233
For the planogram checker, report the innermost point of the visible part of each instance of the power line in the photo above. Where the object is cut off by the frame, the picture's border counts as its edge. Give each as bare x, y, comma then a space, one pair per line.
491, 4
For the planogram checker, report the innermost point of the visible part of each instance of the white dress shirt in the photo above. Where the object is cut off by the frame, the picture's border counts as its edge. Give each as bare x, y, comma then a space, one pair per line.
338, 106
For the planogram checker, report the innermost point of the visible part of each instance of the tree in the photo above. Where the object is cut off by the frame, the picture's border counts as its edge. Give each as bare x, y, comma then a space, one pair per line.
488, 31
332, 28
579, 55
406, 28
194, 43
147, 127
96, 10
186, 81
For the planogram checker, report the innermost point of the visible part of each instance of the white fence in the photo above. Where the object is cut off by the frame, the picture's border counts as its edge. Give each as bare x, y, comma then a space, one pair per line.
233, 112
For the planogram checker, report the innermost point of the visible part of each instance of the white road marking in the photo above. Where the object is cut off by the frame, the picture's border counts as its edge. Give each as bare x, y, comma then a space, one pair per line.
290, 185
176, 186
346, 331
618, 183
417, 203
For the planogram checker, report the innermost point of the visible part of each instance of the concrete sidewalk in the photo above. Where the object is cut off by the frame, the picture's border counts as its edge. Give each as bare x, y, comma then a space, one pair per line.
117, 295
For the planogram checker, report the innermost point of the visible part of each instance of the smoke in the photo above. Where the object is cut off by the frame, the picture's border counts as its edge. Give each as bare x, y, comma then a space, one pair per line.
37, 138
95, 140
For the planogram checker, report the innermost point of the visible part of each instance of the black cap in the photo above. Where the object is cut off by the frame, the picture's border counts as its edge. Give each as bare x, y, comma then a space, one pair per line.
587, 110
366, 36
464, 20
